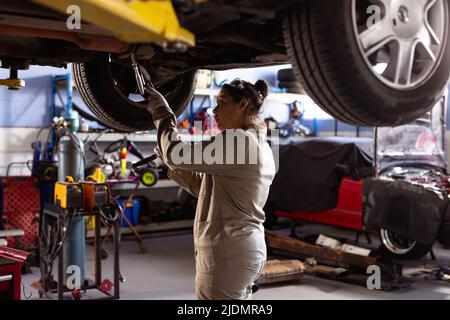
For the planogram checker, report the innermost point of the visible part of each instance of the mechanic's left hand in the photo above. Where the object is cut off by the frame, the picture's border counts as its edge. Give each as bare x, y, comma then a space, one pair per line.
155, 99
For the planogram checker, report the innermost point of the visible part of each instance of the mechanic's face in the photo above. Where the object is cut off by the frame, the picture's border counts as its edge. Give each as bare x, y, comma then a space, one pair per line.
228, 113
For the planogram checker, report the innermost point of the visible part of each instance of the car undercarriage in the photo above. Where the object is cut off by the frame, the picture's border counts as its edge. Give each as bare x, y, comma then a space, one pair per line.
252, 38
365, 62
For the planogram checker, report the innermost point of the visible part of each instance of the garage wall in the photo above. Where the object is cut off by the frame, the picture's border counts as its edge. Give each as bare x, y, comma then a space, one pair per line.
15, 146
30, 106
23, 113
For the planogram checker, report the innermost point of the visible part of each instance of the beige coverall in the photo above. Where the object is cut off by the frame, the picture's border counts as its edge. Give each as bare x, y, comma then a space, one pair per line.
230, 249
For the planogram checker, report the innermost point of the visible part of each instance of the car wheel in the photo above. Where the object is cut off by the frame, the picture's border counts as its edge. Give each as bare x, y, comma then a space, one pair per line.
110, 92
401, 247
370, 62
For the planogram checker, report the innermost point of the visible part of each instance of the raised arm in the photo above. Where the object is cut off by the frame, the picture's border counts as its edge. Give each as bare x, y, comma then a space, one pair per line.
190, 157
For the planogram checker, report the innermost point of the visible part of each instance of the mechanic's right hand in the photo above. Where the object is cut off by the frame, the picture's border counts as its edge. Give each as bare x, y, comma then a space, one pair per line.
157, 151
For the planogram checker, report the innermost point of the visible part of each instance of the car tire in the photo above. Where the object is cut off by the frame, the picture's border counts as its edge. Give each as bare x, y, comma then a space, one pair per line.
110, 102
397, 249
325, 49
286, 75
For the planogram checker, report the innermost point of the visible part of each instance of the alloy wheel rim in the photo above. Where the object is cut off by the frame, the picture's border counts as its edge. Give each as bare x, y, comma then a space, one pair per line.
401, 41
124, 83
396, 243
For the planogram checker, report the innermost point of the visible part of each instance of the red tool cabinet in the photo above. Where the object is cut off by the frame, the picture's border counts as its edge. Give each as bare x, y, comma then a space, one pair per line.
10, 279
11, 261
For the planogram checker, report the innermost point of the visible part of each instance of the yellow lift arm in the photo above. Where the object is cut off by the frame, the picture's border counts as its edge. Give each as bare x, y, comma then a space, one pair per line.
131, 20
13, 82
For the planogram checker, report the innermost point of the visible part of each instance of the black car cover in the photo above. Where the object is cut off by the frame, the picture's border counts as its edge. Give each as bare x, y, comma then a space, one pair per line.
410, 210
310, 172
444, 231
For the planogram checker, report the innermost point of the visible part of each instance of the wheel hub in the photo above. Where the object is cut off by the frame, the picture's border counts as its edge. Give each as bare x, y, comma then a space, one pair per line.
396, 243
407, 19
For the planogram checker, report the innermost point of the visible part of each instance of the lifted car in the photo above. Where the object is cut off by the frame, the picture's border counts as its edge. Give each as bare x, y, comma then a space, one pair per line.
365, 62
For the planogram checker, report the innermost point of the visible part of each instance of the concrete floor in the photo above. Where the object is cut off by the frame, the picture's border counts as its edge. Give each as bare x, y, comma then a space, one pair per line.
167, 271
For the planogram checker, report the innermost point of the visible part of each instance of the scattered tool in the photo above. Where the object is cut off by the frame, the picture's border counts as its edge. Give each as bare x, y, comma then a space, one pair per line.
438, 273
335, 264
144, 161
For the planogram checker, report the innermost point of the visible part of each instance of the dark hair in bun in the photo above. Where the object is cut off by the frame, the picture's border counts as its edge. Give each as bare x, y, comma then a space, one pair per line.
262, 87
256, 93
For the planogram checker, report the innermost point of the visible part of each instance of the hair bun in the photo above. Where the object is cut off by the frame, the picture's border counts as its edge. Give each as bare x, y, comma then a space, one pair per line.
262, 87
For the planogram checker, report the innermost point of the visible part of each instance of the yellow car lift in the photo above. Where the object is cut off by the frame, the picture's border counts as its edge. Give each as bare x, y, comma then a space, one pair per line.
12, 83
131, 20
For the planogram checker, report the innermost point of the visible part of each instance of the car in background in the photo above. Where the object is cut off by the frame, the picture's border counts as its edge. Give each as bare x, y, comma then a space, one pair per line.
365, 62
400, 203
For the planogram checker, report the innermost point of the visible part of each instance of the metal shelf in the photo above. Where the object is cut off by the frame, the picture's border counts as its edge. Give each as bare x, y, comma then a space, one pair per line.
166, 183
151, 227
151, 138
135, 137
110, 137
